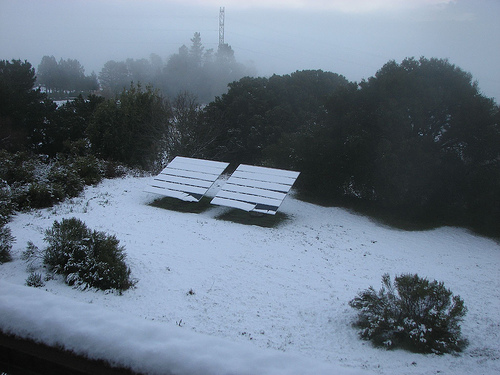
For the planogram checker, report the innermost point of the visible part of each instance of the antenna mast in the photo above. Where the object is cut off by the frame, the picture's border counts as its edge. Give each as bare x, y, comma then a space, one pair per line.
221, 26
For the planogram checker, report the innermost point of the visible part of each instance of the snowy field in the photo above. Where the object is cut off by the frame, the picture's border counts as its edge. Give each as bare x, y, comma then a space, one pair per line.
216, 297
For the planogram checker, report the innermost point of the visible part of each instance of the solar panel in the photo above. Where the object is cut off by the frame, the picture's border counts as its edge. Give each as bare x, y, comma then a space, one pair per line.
256, 189
187, 178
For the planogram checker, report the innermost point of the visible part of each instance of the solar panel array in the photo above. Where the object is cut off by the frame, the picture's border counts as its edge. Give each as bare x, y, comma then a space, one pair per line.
250, 188
187, 178
256, 189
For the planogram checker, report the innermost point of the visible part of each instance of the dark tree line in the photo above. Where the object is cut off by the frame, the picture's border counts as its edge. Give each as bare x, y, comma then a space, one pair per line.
49, 153
428, 143
138, 128
417, 141
204, 73
65, 78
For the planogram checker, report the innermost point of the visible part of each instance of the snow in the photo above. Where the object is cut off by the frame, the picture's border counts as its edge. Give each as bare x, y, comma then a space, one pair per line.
215, 297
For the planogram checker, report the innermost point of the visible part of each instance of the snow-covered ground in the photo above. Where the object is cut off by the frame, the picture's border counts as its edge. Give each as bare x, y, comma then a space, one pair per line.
217, 297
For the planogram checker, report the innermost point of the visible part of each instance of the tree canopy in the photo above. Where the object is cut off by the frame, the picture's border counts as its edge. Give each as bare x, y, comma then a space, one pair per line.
417, 139
25, 113
131, 129
256, 112
65, 76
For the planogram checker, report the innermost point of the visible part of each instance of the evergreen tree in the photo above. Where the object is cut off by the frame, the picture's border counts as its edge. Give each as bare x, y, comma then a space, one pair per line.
114, 77
48, 73
131, 129
196, 52
6, 240
424, 134
66, 77
140, 70
25, 114
257, 112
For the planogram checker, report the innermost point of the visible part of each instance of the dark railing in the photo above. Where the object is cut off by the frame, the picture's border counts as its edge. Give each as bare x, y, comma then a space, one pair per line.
26, 357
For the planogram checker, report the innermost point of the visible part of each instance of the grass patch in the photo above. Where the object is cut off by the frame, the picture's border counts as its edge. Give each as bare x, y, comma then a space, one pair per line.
247, 218
179, 205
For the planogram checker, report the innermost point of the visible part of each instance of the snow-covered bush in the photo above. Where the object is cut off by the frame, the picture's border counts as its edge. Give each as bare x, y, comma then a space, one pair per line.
33, 257
89, 168
6, 204
86, 258
115, 170
413, 314
37, 195
6, 240
37, 181
64, 181
35, 280
19, 167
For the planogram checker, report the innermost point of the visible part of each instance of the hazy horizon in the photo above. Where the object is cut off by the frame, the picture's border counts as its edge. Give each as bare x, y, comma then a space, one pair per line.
353, 38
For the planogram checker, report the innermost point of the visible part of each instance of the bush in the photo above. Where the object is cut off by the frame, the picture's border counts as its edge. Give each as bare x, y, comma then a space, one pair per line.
39, 195
33, 257
86, 258
114, 170
65, 181
413, 314
35, 195
89, 169
6, 240
6, 204
19, 167
36, 181
35, 280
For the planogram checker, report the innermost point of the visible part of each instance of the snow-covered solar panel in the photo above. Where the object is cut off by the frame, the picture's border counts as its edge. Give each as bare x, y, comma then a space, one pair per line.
257, 189
187, 178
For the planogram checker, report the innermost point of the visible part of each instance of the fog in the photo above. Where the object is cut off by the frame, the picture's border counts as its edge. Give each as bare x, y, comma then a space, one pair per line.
353, 38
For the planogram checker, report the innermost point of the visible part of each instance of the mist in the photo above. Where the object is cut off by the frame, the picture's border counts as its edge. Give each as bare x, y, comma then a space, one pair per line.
353, 38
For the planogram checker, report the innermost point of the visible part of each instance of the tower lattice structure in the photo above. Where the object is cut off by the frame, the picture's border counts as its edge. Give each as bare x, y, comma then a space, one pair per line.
221, 26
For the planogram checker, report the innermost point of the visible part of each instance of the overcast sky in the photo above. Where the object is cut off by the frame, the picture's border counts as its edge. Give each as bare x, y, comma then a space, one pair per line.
354, 38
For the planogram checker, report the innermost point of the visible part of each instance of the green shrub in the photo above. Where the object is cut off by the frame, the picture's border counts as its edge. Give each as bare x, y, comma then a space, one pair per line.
413, 314
19, 167
6, 240
64, 181
6, 203
37, 181
36, 195
86, 258
89, 169
114, 170
39, 195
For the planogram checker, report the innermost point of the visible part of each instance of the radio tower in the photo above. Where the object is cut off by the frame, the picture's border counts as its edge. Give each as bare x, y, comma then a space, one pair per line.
221, 26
